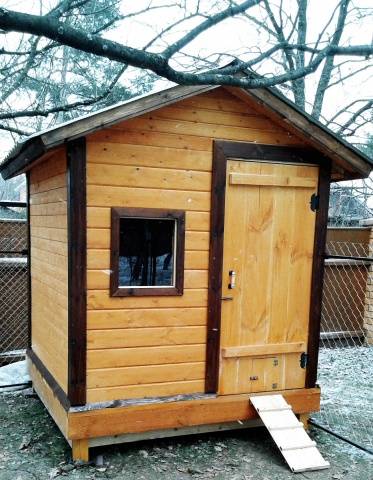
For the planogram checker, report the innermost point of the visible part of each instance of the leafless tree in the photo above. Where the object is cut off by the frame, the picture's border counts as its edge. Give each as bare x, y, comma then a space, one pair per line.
284, 52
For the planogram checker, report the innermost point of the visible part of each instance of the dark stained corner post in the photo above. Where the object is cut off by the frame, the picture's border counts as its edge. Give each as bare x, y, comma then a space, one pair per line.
219, 170
77, 261
318, 272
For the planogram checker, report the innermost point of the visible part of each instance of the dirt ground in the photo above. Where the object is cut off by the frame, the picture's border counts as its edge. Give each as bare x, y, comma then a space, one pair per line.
32, 448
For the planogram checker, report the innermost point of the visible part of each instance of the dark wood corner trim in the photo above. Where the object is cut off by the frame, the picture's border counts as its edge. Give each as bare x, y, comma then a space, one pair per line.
49, 378
116, 214
77, 265
318, 274
219, 171
29, 291
222, 151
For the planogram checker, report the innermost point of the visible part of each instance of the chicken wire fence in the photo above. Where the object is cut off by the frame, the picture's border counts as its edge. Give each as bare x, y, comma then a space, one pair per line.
13, 281
346, 353
346, 343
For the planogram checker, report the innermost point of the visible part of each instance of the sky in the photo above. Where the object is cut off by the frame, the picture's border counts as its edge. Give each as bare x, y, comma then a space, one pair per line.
232, 36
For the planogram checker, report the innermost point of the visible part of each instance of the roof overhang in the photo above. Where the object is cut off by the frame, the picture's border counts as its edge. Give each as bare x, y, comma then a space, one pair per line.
348, 162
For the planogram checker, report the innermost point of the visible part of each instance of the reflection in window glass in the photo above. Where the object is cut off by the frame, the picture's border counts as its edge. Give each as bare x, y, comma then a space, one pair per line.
146, 252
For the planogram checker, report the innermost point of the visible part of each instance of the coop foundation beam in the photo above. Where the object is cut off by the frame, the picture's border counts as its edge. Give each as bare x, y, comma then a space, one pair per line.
178, 414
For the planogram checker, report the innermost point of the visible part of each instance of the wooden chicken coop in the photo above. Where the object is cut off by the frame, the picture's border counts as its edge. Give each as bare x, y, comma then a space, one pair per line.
176, 260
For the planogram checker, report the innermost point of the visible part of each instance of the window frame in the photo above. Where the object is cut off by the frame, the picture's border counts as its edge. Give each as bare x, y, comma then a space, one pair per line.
117, 213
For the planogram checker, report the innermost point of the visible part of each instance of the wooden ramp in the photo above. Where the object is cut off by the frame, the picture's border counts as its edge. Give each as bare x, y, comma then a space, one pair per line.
299, 451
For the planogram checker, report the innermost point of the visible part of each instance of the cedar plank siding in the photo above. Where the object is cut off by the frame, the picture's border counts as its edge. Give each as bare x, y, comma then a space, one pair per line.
155, 346
48, 234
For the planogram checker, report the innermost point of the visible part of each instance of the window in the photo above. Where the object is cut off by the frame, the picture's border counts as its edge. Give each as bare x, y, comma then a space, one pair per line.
147, 251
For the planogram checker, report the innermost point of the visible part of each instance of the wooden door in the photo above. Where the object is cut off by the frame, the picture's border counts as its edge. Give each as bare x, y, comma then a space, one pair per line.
268, 244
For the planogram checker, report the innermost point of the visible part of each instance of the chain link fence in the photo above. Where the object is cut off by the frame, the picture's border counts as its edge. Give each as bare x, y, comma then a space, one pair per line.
13, 281
346, 343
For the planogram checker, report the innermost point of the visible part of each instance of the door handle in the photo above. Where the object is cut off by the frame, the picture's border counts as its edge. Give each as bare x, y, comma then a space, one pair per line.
226, 298
232, 276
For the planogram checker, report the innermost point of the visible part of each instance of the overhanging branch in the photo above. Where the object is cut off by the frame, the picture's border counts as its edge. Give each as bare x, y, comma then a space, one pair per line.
55, 30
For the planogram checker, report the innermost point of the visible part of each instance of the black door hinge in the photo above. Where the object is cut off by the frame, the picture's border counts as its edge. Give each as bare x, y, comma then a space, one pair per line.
303, 360
315, 202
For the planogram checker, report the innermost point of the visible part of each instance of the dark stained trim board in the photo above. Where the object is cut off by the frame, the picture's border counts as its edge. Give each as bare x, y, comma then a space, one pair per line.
219, 171
270, 153
318, 274
77, 265
222, 151
179, 216
29, 292
49, 378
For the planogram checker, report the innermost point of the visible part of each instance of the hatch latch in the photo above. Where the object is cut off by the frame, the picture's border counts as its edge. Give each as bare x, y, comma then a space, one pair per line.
303, 360
315, 202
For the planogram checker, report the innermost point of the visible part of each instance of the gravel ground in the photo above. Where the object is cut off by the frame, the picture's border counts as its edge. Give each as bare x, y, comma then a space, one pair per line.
346, 379
31, 448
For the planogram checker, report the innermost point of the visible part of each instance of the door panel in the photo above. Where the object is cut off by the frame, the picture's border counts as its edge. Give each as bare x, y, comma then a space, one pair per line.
268, 243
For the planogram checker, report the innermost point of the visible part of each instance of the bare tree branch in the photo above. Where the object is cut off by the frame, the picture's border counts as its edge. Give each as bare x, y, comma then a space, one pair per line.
329, 62
368, 106
211, 21
158, 63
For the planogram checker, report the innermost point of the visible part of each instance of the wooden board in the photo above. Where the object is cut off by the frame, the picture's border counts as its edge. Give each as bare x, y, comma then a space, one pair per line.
272, 256
156, 160
142, 337
137, 356
299, 451
162, 415
145, 374
48, 398
48, 235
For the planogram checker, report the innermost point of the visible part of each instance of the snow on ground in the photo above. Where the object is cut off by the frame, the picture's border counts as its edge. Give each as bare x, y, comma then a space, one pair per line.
13, 373
346, 380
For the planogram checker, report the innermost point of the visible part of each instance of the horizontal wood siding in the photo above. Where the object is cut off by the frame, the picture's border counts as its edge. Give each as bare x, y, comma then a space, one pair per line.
48, 232
153, 346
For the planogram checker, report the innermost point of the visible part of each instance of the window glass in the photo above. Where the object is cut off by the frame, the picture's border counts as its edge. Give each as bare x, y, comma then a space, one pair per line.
146, 252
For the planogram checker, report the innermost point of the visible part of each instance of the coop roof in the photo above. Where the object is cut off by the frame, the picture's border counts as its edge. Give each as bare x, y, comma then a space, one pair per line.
348, 161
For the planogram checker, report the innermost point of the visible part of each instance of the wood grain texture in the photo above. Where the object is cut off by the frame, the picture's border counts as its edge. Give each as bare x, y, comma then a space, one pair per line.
142, 337
122, 357
270, 180
142, 418
139, 375
101, 300
49, 398
158, 160
265, 349
140, 391
271, 257
77, 265
80, 450
99, 217
48, 193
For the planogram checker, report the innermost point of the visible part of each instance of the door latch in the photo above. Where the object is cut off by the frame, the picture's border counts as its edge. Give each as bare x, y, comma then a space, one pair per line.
303, 360
232, 276
315, 202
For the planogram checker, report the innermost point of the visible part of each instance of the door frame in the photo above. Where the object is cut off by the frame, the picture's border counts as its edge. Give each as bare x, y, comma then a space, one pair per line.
222, 151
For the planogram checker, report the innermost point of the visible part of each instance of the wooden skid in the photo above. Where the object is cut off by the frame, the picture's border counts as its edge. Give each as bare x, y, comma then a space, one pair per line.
176, 414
